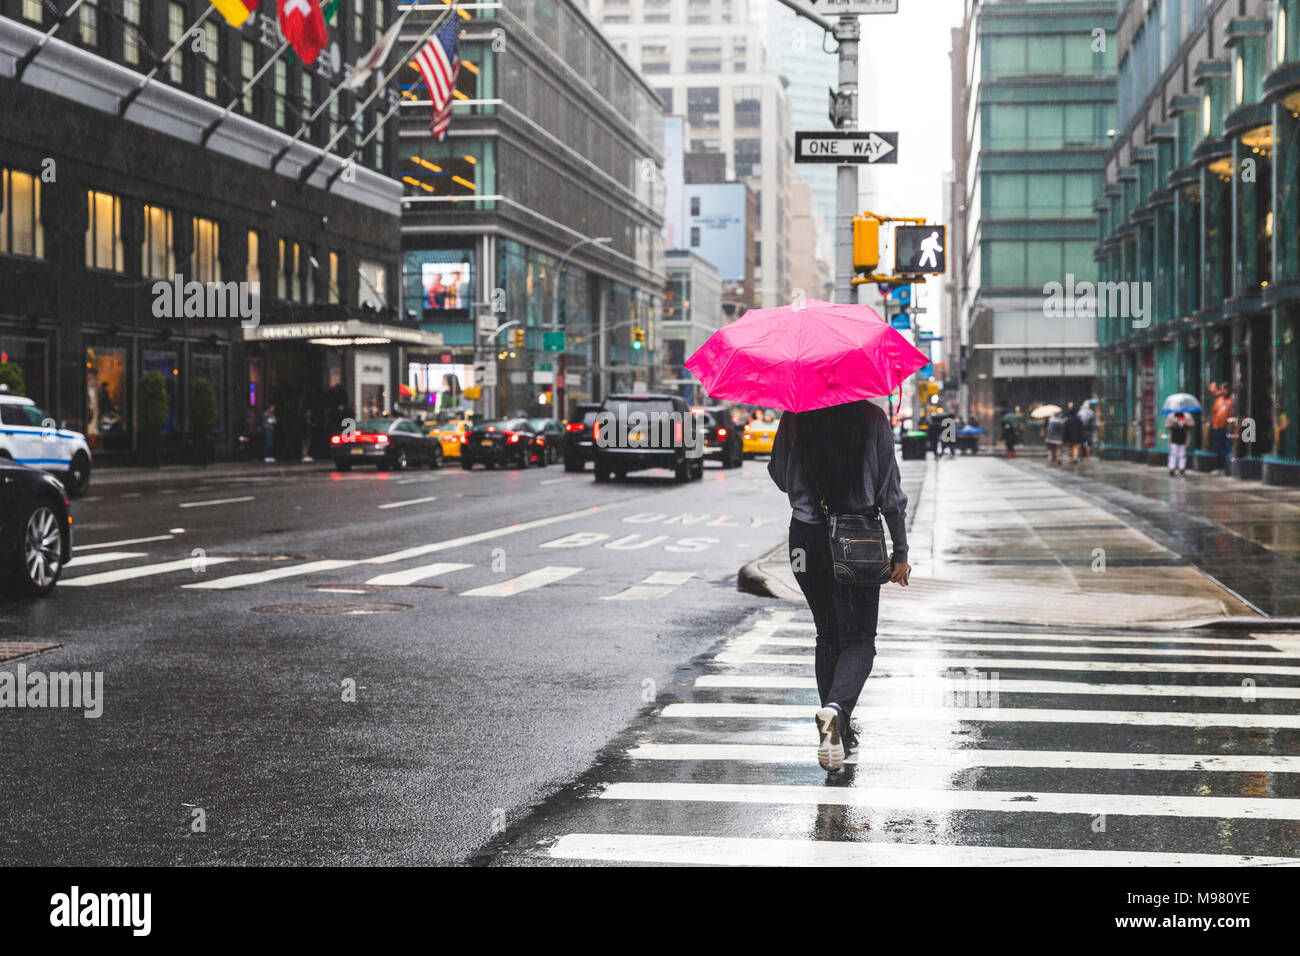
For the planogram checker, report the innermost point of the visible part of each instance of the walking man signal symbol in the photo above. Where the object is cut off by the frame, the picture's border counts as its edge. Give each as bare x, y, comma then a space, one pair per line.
930, 249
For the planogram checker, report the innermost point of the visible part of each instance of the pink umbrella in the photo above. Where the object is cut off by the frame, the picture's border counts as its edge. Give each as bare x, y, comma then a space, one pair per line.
800, 359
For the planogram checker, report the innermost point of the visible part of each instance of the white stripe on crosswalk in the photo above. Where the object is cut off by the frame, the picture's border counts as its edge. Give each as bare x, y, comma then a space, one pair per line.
669, 577
1043, 715
945, 758
1251, 651
122, 543
740, 851
139, 571
920, 798
272, 574
905, 662
1228, 645
423, 549
214, 501
103, 557
409, 501
412, 575
957, 684
657, 585
525, 582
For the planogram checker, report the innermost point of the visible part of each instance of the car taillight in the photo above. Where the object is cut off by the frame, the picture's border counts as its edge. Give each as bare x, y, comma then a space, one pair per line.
464, 438
722, 433
336, 439
748, 436
541, 441
595, 432
381, 439
573, 427
677, 431
512, 438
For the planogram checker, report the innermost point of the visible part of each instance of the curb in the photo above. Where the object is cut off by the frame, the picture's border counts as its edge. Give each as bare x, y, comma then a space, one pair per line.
113, 476
1242, 623
752, 579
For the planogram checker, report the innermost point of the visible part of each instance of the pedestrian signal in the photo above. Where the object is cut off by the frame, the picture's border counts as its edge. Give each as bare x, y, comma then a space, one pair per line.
920, 250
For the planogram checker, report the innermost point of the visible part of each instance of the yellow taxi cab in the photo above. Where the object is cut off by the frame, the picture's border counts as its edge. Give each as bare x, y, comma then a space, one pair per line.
449, 434
758, 437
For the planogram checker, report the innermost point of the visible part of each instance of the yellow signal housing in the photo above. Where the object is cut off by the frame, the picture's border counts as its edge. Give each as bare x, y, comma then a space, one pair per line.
472, 392
866, 244
519, 338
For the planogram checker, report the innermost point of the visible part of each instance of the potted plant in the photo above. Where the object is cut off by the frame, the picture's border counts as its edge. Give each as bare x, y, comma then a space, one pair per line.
152, 408
203, 418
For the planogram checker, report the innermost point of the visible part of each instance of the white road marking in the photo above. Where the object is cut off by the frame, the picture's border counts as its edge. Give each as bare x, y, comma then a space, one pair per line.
525, 582
215, 501
960, 684
423, 549
1037, 715
139, 571
1068, 649
669, 577
639, 592
898, 664
922, 638
921, 798
556, 481
412, 501
411, 575
118, 544
103, 558
741, 851
273, 574
952, 759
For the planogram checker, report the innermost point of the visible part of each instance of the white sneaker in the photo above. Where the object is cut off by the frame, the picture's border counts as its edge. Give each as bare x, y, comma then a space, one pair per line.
830, 747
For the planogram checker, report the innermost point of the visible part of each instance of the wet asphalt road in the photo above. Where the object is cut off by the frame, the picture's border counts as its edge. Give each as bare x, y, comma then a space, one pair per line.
224, 673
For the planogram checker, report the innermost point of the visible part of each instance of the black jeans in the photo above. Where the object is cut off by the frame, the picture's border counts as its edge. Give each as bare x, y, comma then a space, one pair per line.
845, 617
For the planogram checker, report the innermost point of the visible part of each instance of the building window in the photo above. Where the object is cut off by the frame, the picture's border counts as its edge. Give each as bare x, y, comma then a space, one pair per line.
379, 15
157, 255
20, 215
104, 231
175, 29
131, 31
247, 67
33, 11
253, 273
288, 281
358, 18
88, 16
211, 39
373, 279
333, 295
695, 236
695, 205
281, 90
281, 283
306, 94
205, 261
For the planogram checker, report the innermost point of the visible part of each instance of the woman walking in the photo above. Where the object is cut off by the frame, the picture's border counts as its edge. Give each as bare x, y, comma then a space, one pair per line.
839, 461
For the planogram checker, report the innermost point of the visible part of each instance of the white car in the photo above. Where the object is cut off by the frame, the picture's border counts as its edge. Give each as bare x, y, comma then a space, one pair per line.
30, 437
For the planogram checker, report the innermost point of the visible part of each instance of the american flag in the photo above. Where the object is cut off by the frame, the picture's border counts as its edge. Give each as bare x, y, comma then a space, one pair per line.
440, 66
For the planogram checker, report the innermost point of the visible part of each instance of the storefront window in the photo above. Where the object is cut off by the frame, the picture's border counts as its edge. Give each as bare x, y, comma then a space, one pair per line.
1247, 70
164, 363
1286, 205
208, 368
1253, 205
1286, 31
106, 419
1216, 220
1188, 211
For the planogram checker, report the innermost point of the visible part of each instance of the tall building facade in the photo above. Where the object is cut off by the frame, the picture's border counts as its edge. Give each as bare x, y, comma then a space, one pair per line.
543, 206
1200, 209
1036, 105
110, 185
708, 61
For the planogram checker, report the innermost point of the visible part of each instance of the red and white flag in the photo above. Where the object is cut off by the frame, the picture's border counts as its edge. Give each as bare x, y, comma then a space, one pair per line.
303, 25
439, 64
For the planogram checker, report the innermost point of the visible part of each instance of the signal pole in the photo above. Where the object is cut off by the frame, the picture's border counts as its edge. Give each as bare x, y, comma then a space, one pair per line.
847, 33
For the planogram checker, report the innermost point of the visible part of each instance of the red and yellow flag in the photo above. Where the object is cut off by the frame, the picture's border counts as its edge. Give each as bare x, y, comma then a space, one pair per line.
235, 11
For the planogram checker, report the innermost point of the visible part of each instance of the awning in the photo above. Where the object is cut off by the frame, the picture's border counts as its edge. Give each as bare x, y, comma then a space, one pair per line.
345, 333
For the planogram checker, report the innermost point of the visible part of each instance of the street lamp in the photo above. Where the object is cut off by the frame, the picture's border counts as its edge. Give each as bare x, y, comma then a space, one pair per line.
555, 315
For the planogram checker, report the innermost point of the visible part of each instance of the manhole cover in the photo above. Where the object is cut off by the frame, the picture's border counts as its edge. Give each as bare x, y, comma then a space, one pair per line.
336, 607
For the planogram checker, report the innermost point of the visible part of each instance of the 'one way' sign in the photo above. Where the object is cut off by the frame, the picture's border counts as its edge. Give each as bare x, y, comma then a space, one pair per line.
846, 146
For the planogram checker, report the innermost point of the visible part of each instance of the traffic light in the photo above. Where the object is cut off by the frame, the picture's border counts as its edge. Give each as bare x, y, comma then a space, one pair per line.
518, 337
920, 250
638, 339
866, 244
472, 392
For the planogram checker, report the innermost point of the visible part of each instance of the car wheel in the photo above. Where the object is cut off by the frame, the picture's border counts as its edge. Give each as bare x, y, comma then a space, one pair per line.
683, 471
400, 461
39, 561
436, 460
342, 466
572, 464
77, 479
697, 471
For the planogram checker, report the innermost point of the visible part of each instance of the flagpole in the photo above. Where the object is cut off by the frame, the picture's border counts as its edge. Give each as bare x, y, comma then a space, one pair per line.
379, 125
21, 66
306, 125
414, 48
148, 77
230, 107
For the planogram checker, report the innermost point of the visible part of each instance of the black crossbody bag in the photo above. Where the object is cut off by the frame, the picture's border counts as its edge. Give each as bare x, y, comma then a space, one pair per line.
859, 556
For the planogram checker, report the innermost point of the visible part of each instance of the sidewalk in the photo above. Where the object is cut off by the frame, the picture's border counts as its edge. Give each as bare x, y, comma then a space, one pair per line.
220, 471
998, 541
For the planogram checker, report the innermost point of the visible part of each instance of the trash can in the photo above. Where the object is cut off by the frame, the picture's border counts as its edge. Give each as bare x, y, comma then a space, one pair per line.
915, 445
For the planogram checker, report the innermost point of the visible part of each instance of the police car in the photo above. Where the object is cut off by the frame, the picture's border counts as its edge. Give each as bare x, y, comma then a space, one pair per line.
29, 437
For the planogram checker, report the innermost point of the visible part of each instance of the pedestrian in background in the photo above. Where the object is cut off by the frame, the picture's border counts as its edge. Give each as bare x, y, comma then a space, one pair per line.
1221, 415
1178, 431
839, 460
1010, 438
1088, 416
1054, 437
1073, 435
268, 433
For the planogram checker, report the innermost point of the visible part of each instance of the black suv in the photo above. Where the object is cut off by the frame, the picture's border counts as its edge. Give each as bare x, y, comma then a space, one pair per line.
645, 430
724, 437
578, 446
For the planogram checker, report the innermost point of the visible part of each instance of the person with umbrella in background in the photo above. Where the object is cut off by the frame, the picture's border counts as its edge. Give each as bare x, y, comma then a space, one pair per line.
1180, 408
1054, 436
1088, 416
833, 456
1010, 434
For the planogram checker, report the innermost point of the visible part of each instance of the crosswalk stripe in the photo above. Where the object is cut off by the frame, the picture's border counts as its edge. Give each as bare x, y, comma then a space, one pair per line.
412, 575
524, 582
409, 501
950, 759
122, 543
1224, 691
1039, 715
139, 571
669, 577
896, 664
423, 549
103, 557
272, 574
214, 501
891, 634
657, 585
1070, 649
752, 851
920, 798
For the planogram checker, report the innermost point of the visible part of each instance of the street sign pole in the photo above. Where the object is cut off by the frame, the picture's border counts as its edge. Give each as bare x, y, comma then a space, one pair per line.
847, 33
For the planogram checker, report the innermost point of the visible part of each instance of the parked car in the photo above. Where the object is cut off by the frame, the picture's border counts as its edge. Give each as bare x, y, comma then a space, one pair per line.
723, 437
552, 432
390, 444
663, 441
35, 528
29, 437
758, 436
508, 441
449, 434
578, 447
